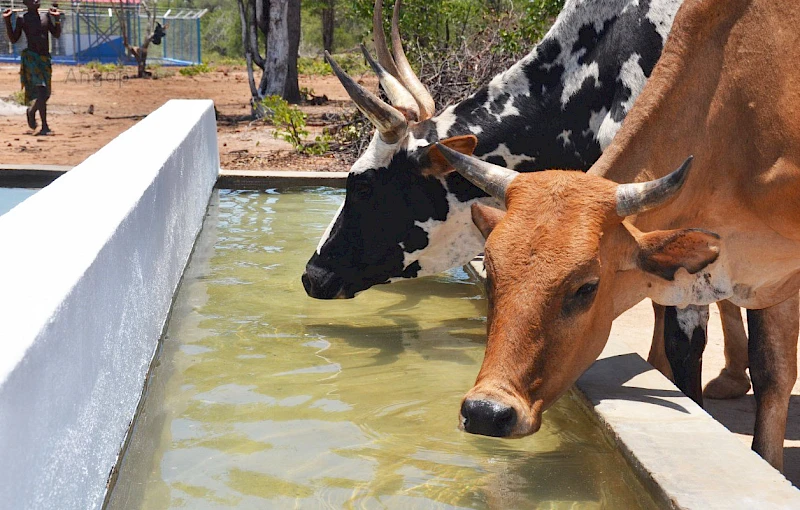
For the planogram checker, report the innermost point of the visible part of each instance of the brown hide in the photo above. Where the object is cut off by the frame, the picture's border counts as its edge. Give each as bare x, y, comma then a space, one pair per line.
562, 265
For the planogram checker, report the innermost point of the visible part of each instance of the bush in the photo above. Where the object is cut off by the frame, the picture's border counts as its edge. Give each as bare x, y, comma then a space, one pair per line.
94, 65
290, 123
196, 69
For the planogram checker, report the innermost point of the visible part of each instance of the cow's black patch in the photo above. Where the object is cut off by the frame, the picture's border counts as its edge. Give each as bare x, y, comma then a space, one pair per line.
383, 204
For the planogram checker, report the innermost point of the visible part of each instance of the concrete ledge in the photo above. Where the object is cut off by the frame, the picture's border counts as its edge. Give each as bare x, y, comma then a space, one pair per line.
91, 263
686, 458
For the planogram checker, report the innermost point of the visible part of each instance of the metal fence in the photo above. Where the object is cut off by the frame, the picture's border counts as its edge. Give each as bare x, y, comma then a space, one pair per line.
90, 31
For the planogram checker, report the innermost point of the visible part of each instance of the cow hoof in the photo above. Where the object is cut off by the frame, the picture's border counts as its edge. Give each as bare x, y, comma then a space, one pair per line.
727, 386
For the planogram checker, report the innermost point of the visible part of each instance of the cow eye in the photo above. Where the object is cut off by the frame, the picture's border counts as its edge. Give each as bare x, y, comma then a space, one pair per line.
587, 289
581, 299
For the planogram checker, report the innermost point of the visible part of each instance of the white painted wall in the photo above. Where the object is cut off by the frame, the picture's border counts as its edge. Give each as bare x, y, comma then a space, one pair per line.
88, 267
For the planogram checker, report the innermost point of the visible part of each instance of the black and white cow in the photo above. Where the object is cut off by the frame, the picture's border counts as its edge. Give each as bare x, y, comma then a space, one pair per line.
558, 107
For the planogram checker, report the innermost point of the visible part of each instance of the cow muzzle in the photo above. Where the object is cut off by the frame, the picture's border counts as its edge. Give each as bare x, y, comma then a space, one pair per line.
490, 416
321, 283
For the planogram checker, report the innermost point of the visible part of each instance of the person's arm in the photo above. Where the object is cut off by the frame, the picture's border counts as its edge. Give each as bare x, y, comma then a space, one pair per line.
14, 33
54, 22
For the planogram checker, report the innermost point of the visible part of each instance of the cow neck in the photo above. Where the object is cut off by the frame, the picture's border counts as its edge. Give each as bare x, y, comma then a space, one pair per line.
669, 120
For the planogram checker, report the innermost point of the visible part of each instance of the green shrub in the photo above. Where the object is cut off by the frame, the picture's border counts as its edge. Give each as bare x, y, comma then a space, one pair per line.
18, 97
196, 69
94, 65
290, 126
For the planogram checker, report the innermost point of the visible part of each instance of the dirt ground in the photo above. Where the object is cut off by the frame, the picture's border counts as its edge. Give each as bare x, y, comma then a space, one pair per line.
88, 109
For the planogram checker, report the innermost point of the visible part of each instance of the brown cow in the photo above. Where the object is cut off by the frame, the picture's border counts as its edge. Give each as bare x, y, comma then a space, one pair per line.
576, 250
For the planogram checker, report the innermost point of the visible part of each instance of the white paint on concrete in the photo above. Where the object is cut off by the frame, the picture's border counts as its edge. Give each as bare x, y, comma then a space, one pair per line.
89, 267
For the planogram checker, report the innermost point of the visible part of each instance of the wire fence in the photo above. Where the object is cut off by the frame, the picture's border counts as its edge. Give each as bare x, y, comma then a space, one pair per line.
90, 32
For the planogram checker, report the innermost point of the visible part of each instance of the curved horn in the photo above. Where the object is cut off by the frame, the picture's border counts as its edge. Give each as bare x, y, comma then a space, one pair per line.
379, 38
397, 93
492, 179
639, 197
390, 122
427, 107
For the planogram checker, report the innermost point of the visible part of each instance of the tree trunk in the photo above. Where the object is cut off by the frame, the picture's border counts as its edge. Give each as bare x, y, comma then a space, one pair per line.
276, 62
291, 91
328, 22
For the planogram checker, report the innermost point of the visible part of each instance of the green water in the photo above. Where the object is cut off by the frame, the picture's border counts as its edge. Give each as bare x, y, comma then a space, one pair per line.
264, 398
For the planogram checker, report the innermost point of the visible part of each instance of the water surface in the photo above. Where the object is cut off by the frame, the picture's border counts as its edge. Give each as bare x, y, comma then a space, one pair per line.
264, 398
10, 197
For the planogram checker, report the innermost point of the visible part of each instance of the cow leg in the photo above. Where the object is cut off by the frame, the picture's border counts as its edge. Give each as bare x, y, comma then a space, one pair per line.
732, 381
684, 343
658, 356
773, 367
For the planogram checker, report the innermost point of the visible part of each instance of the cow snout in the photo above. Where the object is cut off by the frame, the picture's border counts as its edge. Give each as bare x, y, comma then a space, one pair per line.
488, 418
321, 283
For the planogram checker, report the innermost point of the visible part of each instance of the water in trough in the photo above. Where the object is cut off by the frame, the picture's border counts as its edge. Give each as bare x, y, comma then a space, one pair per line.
261, 397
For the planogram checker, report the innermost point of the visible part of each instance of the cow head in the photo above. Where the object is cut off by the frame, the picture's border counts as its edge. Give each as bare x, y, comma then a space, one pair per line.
396, 220
561, 264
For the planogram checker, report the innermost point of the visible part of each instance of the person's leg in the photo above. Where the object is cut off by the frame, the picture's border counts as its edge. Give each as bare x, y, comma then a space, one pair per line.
41, 106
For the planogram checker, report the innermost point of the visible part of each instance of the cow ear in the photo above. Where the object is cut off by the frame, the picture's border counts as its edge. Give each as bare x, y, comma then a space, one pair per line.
437, 165
663, 252
486, 218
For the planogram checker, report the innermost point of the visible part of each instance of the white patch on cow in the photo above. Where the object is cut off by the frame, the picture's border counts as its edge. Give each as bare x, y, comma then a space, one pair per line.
508, 109
512, 160
596, 119
708, 286
452, 242
444, 121
327, 232
574, 78
475, 130
378, 154
632, 76
605, 133
564, 137
691, 318
513, 80
413, 143
662, 14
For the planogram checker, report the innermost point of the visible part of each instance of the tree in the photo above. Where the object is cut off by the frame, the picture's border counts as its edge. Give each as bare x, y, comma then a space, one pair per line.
153, 32
277, 23
326, 9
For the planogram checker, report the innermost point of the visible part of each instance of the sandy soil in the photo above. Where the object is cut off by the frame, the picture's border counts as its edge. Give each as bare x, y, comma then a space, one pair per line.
88, 109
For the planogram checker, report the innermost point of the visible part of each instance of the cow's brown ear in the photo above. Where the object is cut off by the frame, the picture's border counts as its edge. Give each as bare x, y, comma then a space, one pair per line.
663, 252
486, 218
437, 165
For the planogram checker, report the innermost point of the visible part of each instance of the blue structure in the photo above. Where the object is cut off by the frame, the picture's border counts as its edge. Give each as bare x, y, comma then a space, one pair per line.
91, 31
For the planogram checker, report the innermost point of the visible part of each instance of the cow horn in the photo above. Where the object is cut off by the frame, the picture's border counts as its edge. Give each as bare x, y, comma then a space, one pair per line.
492, 179
427, 106
379, 38
397, 93
639, 197
391, 124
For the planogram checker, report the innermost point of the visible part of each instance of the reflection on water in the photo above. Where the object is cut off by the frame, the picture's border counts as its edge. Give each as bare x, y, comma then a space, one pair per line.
264, 398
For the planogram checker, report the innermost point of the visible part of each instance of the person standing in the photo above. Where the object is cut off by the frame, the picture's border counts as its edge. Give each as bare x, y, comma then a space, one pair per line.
36, 69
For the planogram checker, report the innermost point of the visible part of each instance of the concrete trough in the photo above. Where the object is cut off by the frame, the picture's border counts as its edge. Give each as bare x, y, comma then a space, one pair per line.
92, 262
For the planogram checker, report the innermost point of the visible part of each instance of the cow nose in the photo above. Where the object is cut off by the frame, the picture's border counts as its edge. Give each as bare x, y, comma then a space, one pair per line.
322, 283
488, 418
